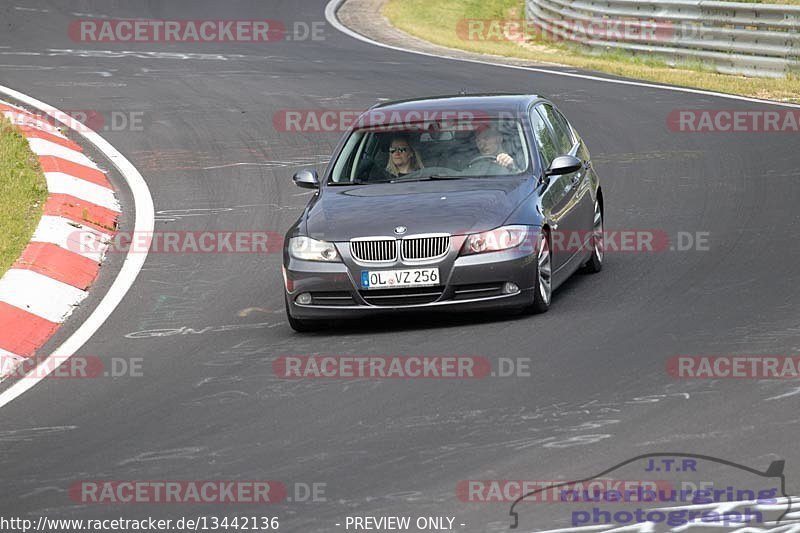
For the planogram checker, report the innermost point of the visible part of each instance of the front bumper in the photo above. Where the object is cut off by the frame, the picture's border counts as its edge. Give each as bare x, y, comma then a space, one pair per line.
470, 283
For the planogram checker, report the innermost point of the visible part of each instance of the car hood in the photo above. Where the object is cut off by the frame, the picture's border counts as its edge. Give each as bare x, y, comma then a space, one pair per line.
454, 206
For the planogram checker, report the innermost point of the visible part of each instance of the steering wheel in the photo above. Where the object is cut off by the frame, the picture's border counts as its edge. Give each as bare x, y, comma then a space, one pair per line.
487, 158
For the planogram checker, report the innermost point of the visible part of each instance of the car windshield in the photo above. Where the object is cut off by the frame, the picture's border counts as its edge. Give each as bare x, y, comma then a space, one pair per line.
436, 149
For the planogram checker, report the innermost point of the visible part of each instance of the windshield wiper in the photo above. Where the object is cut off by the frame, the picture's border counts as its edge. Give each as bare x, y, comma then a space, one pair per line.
351, 183
429, 178
399, 180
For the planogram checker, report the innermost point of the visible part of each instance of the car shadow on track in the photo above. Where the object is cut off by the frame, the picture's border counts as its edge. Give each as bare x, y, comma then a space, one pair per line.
429, 320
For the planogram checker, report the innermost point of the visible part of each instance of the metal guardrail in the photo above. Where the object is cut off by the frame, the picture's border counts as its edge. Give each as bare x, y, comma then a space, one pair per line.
760, 40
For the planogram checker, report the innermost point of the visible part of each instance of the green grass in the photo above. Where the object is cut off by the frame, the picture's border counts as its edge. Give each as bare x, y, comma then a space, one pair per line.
438, 22
23, 191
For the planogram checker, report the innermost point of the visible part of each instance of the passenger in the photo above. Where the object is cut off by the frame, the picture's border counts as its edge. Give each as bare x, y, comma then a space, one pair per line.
403, 158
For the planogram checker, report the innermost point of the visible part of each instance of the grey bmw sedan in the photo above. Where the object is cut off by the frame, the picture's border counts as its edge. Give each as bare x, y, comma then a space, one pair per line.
448, 203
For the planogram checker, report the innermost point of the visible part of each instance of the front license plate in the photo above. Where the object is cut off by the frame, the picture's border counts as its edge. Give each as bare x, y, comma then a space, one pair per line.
395, 279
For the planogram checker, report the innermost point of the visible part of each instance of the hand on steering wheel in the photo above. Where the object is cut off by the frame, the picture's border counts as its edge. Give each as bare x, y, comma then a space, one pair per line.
503, 160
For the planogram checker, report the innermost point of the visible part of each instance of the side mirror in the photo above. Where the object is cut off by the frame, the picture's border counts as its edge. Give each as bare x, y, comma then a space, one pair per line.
563, 164
307, 179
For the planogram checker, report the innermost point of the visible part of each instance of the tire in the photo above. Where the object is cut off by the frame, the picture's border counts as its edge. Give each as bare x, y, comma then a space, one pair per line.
543, 289
595, 263
299, 325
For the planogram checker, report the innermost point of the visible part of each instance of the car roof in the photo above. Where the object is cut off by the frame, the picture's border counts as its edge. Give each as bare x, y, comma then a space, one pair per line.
487, 102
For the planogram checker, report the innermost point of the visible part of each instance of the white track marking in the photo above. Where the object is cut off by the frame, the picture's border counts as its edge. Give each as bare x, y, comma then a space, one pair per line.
41, 295
58, 182
18, 108
43, 147
134, 260
23, 119
113, 54
9, 362
35, 10
62, 232
5, 355
333, 6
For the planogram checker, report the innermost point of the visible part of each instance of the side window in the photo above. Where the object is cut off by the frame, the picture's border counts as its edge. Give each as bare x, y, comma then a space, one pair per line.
560, 128
573, 134
544, 139
343, 168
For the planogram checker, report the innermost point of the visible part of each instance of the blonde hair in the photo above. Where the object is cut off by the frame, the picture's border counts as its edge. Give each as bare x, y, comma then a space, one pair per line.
416, 160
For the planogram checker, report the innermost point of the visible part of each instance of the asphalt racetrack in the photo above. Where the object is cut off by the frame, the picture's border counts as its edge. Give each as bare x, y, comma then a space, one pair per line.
208, 404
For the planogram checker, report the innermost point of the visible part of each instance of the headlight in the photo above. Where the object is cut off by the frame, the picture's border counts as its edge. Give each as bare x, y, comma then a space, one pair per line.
495, 240
310, 249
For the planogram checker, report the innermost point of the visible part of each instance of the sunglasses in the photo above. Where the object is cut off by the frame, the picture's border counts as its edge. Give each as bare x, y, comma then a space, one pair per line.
401, 150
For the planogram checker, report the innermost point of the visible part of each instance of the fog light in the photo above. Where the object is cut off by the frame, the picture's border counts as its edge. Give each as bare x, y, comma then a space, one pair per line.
510, 288
303, 298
